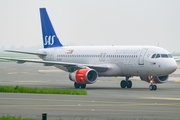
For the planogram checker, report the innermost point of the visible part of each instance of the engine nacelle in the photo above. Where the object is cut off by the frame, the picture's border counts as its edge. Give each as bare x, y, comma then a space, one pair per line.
84, 76
158, 79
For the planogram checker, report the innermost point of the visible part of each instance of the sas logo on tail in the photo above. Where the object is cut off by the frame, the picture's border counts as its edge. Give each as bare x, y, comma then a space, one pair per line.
69, 51
49, 40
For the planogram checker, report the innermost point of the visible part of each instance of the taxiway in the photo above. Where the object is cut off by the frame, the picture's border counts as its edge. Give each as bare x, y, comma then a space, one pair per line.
105, 99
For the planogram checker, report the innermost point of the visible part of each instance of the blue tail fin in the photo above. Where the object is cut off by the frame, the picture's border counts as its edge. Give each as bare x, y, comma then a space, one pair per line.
50, 39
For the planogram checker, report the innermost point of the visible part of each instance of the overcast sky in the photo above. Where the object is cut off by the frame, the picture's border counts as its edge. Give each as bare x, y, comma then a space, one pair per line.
93, 22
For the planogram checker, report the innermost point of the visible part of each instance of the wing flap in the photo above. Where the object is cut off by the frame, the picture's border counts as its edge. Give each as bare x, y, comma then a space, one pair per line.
20, 61
99, 68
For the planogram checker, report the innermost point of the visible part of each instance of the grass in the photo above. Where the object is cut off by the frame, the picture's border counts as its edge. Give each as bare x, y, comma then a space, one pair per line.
19, 118
7, 61
36, 90
13, 118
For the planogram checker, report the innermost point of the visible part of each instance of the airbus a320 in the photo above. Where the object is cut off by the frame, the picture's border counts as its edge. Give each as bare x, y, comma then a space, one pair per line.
86, 63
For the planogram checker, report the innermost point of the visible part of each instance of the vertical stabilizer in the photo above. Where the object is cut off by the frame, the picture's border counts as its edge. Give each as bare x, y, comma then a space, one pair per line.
50, 39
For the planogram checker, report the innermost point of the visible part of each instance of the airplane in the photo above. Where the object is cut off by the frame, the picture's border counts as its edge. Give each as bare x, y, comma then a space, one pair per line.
85, 64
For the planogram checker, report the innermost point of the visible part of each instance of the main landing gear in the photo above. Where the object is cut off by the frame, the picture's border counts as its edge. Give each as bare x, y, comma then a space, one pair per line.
78, 85
126, 83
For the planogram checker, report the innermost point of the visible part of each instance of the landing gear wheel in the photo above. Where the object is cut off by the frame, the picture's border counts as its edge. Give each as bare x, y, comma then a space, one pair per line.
129, 84
123, 84
83, 86
153, 87
77, 85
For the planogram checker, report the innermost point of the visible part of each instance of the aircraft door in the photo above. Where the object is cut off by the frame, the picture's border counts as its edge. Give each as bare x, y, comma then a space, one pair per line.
102, 57
141, 56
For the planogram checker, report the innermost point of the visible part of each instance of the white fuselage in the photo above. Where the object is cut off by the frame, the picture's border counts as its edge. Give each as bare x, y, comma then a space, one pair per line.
121, 60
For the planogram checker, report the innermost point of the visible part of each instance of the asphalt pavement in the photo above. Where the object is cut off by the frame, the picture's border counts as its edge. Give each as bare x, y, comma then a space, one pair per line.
105, 99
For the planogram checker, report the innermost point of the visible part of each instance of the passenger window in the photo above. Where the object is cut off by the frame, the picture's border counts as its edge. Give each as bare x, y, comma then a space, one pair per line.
158, 56
153, 56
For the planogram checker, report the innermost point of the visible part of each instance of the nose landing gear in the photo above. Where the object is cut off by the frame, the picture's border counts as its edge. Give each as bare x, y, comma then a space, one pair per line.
152, 86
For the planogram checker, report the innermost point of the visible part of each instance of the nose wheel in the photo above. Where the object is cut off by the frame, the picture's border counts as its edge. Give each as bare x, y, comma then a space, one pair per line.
152, 87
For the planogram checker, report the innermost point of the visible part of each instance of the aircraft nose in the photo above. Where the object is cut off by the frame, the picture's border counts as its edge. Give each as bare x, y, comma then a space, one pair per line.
171, 66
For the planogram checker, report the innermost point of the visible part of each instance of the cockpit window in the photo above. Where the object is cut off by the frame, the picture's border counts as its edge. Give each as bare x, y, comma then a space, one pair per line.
158, 56
164, 55
161, 56
153, 55
169, 55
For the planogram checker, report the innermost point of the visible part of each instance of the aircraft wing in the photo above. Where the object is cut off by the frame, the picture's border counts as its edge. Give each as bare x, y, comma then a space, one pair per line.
99, 68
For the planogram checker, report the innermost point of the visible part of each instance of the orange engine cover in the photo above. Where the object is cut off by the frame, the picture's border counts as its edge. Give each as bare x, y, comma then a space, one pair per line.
84, 76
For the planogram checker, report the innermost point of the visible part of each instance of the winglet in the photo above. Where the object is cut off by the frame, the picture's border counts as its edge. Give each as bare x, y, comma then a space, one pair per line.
50, 39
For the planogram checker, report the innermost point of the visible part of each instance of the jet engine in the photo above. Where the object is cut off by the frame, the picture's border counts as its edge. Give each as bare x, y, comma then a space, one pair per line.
84, 76
157, 79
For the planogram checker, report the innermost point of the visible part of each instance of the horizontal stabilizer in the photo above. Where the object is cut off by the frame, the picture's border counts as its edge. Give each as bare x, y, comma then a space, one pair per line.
177, 60
34, 53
